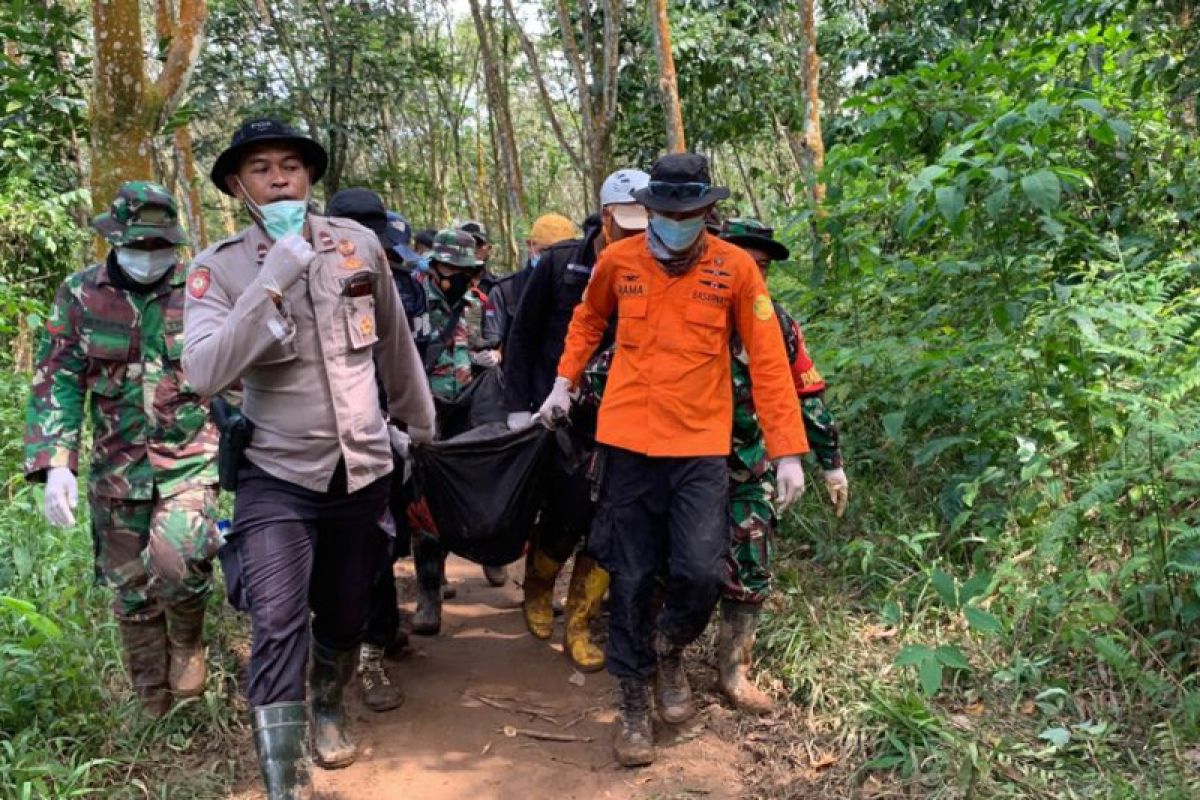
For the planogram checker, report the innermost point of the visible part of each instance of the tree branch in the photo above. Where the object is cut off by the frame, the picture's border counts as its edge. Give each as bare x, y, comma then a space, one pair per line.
187, 34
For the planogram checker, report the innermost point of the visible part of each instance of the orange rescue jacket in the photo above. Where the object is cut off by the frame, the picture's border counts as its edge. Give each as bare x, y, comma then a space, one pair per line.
668, 393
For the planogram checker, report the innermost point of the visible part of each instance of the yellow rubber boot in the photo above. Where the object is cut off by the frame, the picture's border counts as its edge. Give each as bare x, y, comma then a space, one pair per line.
589, 582
540, 573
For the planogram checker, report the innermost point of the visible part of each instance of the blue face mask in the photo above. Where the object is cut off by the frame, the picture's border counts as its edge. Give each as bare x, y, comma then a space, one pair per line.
422, 264
677, 234
279, 218
534, 259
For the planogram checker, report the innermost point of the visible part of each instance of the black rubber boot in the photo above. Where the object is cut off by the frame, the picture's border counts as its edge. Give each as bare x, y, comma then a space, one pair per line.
674, 694
430, 566
633, 740
281, 739
331, 671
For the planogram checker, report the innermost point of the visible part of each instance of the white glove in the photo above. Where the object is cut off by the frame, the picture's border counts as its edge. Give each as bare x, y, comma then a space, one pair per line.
400, 441
557, 404
485, 358
789, 481
285, 263
839, 489
62, 493
519, 420
420, 435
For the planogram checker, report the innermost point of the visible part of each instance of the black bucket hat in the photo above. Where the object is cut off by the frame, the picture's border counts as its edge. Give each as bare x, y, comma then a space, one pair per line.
680, 182
366, 208
752, 233
256, 131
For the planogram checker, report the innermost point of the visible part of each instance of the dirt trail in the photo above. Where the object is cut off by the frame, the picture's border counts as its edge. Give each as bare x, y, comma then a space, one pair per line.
444, 742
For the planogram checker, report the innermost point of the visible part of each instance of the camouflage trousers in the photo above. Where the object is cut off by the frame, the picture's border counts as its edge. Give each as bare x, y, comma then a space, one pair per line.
157, 552
748, 563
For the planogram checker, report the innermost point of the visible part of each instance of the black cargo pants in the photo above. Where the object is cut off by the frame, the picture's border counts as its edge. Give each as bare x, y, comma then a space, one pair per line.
301, 551
668, 515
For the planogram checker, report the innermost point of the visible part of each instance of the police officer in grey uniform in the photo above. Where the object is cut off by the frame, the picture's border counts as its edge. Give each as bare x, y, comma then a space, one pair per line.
301, 309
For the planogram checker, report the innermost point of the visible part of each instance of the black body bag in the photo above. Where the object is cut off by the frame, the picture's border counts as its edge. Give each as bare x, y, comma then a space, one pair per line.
484, 489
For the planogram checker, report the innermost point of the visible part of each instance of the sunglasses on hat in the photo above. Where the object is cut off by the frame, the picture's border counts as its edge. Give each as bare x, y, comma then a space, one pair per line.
678, 191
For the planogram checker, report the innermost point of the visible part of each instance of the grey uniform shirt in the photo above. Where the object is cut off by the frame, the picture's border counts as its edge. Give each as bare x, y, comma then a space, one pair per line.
308, 369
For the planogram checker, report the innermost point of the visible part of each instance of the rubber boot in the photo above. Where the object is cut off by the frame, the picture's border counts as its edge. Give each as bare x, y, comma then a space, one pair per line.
331, 671
281, 739
633, 739
379, 693
427, 558
496, 576
540, 573
589, 582
674, 694
188, 669
145, 648
735, 647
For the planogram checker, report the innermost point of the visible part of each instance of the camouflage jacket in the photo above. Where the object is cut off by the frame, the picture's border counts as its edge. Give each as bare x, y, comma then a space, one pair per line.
116, 353
748, 459
448, 353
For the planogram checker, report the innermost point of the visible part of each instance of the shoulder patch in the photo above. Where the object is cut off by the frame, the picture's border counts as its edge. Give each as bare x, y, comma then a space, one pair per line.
198, 282
763, 310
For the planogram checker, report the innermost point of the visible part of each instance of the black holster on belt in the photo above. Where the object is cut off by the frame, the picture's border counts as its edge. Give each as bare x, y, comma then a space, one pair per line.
236, 432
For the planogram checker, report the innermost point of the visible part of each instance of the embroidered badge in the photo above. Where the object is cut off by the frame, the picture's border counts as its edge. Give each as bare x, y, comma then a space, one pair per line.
199, 282
367, 326
351, 262
262, 252
346, 247
762, 308
326, 239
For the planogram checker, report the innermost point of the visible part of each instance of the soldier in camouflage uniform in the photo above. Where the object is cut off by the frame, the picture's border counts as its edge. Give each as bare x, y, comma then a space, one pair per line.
111, 350
455, 355
751, 482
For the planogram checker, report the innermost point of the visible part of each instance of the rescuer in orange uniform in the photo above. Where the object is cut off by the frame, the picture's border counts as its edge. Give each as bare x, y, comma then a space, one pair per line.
665, 420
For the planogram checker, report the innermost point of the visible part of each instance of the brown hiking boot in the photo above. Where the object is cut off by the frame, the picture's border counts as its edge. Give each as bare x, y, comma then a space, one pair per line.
674, 694
379, 693
633, 739
734, 653
145, 648
589, 582
188, 669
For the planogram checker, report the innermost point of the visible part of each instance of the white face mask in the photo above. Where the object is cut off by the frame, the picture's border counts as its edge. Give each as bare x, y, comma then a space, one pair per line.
146, 266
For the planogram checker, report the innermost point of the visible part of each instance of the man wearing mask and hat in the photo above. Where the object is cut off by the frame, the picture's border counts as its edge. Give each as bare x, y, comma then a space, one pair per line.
456, 355
111, 350
486, 281
534, 347
665, 419
753, 518
300, 309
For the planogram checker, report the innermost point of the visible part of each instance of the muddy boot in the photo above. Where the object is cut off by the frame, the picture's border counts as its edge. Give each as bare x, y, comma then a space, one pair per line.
735, 648
538, 606
427, 558
449, 590
331, 671
281, 739
496, 576
674, 694
188, 669
379, 693
145, 646
633, 740
589, 582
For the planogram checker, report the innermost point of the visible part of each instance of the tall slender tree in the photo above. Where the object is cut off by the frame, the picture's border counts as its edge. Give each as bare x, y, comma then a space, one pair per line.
668, 86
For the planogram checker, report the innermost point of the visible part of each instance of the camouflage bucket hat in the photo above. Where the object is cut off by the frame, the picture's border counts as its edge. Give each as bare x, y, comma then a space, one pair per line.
456, 248
142, 210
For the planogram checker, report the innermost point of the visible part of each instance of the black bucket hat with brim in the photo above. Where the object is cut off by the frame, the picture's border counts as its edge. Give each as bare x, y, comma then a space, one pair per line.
259, 131
680, 182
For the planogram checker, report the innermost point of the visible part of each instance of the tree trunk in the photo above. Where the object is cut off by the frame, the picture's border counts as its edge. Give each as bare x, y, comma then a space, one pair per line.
667, 85
814, 144
190, 184
499, 115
